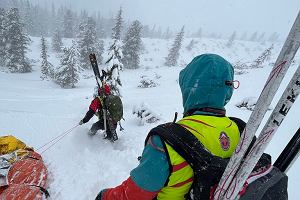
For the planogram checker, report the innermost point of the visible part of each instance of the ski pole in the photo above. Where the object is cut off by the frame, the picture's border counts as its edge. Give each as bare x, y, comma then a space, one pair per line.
229, 187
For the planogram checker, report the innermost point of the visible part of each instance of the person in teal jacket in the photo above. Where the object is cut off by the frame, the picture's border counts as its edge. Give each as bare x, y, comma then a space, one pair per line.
206, 85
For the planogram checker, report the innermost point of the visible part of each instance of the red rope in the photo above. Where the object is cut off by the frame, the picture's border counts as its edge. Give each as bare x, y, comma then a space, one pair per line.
57, 138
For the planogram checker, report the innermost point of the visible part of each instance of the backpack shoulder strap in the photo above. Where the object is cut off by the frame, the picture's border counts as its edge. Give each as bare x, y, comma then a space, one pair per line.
239, 122
207, 168
182, 141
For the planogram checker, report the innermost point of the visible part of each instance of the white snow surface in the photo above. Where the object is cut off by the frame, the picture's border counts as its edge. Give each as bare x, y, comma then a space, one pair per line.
80, 166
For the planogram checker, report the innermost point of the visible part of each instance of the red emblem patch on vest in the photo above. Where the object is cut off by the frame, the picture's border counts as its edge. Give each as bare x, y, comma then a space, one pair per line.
224, 141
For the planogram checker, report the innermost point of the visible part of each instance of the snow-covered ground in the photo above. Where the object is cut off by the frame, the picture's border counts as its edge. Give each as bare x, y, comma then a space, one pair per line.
79, 165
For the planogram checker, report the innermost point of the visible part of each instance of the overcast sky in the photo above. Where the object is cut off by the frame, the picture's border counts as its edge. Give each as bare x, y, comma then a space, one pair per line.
221, 16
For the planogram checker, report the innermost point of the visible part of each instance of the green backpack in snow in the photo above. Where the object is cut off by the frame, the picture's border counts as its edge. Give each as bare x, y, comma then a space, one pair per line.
114, 107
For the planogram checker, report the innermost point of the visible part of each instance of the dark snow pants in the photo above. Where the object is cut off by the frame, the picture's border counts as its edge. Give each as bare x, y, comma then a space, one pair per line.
110, 126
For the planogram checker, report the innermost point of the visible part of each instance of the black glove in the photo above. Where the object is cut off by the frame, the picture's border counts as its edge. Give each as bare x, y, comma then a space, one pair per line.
81, 122
100, 195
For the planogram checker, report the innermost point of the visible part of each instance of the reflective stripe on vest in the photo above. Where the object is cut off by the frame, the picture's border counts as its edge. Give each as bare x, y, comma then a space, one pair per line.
219, 135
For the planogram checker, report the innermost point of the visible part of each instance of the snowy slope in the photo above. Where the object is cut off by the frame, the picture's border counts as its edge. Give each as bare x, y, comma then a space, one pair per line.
80, 166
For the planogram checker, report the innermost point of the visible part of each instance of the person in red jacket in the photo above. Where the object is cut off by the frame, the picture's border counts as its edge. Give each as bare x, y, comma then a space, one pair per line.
96, 108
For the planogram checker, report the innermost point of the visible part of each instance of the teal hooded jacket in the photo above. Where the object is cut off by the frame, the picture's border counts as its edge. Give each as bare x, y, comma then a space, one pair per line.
203, 83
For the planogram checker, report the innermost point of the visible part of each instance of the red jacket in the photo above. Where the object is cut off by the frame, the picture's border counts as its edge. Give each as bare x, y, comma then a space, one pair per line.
94, 107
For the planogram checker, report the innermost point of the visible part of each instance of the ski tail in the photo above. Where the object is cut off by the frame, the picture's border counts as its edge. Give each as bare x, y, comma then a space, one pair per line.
94, 64
229, 185
95, 68
289, 154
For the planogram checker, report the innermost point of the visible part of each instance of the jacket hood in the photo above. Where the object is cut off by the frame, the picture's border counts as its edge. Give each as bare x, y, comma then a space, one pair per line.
202, 82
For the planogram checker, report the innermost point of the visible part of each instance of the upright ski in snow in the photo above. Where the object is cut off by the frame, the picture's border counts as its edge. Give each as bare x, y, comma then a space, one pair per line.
230, 184
95, 68
289, 154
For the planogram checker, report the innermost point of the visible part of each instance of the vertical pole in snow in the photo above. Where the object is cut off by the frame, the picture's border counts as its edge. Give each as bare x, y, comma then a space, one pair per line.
289, 154
228, 186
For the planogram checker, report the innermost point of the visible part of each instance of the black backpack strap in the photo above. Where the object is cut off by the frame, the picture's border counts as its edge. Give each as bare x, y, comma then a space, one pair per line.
240, 123
206, 167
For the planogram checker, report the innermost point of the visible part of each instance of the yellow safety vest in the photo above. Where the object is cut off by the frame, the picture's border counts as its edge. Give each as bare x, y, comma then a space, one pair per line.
219, 135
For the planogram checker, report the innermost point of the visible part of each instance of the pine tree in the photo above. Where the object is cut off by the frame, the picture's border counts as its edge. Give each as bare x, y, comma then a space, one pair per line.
67, 75
2, 37
261, 38
88, 43
265, 56
132, 46
116, 31
273, 37
68, 24
100, 26
191, 45
231, 40
57, 43
253, 38
158, 33
152, 31
58, 21
173, 55
244, 36
198, 34
17, 42
113, 66
99, 50
146, 31
27, 17
167, 34
46, 67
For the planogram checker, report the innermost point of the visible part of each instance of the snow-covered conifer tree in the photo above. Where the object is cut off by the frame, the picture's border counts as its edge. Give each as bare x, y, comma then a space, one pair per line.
273, 37
265, 56
132, 46
191, 45
173, 55
99, 26
67, 75
116, 30
2, 37
146, 31
27, 17
16, 42
99, 50
57, 43
88, 43
113, 66
199, 33
46, 67
244, 36
231, 39
253, 37
68, 24
167, 34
